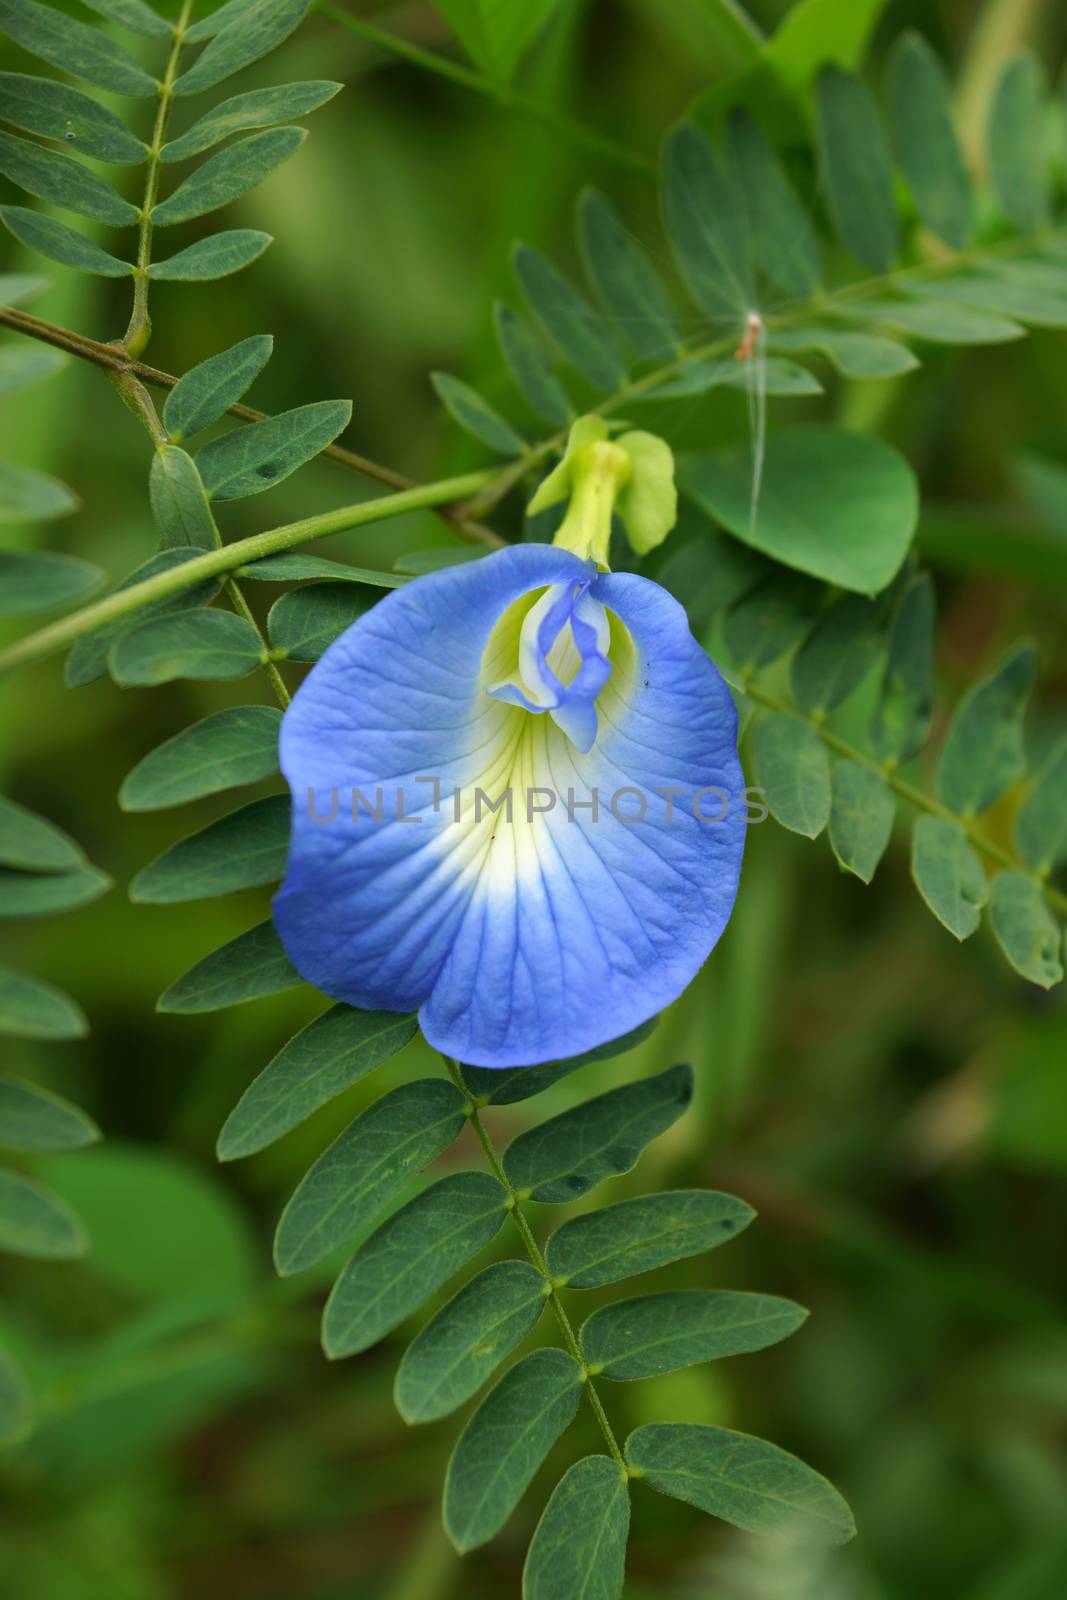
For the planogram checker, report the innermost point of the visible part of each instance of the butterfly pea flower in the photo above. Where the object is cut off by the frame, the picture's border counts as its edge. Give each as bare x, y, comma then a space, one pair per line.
517, 803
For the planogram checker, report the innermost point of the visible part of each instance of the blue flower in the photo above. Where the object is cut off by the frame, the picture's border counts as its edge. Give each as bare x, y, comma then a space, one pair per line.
517, 803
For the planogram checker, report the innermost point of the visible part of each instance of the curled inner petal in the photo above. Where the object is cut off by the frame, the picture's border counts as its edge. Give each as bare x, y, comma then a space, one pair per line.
563, 662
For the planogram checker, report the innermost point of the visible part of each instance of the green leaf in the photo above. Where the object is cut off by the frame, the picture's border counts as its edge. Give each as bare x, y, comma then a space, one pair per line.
568, 1155
232, 172
410, 1256
231, 11
33, 496
783, 239
83, 52
1041, 825
1026, 931
983, 753
37, 580
35, 1222
709, 572
936, 321
625, 280
855, 355
22, 366
776, 377
56, 111
856, 170
840, 506
770, 619
17, 287
1018, 156
305, 622
468, 1339
208, 391
905, 709
366, 1167
193, 644
568, 320
179, 504
29, 842
1007, 290
31, 894
257, 456
60, 243
707, 226
530, 366
861, 818
33, 1009
496, 33
254, 32
232, 747
504, 1443
335, 1051
504, 1086
51, 176
747, 1482
658, 1333
579, 1545
248, 967
241, 850
214, 257
794, 771
475, 415
948, 874
296, 565
132, 14
924, 134
35, 1119
635, 1236
837, 654
16, 1413
259, 108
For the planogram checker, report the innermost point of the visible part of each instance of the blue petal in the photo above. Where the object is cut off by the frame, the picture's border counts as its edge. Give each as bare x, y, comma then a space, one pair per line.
541, 937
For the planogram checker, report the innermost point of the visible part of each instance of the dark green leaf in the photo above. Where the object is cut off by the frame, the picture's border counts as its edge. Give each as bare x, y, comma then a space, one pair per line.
658, 1333
32, 496
305, 622
794, 771
861, 818
748, 1482
207, 27
783, 239
252, 965
475, 415
238, 851
837, 654
948, 874
1026, 931
260, 454
983, 753
252, 33
83, 52
51, 176
295, 565
33, 1009
16, 1412
856, 170
232, 172
35, 1222
56, 111
259, 108
579, 1545
208, 391
132, 14
468, 1339
707, 226
770, 619
570, 322
1041, 826
855, 355
530, 367
36, 580
60, 243
920, 106
192, 644
503, 1086
24, 365
505, 1442
905, 708
1018, 156
410, 1256
179, 505
31, 894
639, 1235
625, 280
29, 842
568, 1155
335, 1051
937, 322
710, 571
231, 747
214, 257
368, 1165
35, 1119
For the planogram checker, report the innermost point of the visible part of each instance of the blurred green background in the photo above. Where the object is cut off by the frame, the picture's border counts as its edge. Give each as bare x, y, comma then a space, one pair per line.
894, 1106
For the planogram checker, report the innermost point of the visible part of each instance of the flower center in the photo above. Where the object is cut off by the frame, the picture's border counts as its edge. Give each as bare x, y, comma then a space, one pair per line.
563, 660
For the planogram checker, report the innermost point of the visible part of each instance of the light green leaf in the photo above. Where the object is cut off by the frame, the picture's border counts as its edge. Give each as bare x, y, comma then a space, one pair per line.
793, 768
1041, 825
232, 172
29, 842
259, 108
192, 644
770, 619
17, 287
504, 1086
16, 1412
505, 1442
625, 280
295, 565
248, 967
840, 506
60, 243
707, 226
837, 653
924, 134
747, 1482
232, 747
567, 318
1007, 290
33, 1009
1026, 931
305, 622
241, 850
635, 1236
1018, 156
658, 1333
179, 504
710, 571
568, 1155
335, 1051
905, 709
410, 1256
496, 33
31, 894
468, 1339
579, 1545
35, 1222
855, 355
366, 1167
132, 14
230, 11
935, 321
948, 874
253, 32
856, 170
214, 257
24, 365
861, 818
57, 111
37, 580
783, 239
530, 366
983, 753
33, 496
51, 176
776, 377
32, 1118
260, 454
208, 391
83, 52
475, 415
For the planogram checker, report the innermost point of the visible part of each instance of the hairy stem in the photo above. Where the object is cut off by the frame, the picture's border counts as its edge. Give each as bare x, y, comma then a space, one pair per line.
235, 595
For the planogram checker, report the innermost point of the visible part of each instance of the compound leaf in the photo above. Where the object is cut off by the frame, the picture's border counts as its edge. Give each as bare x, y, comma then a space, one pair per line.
579, 1545
1017, 151
229, 748
232, 172
634, 1236
179, 504
251, 31
260, 108
856, 170
625, 280
657, 1333
51, 176
475, 415
948, 874
530, 367
861, 817
208, 391
303, 623
214, 257
924, 134
83, 52
35, 1222
57, 111
31, 843
36, 1119
794, 771
248, 967
191, 644
256, 457
33, 1009
241, 850
1041, 825
1025, 929
983, 753
568, 320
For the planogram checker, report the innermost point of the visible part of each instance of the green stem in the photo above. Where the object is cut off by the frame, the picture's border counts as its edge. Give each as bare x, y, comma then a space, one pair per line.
533, 1250
235, 595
